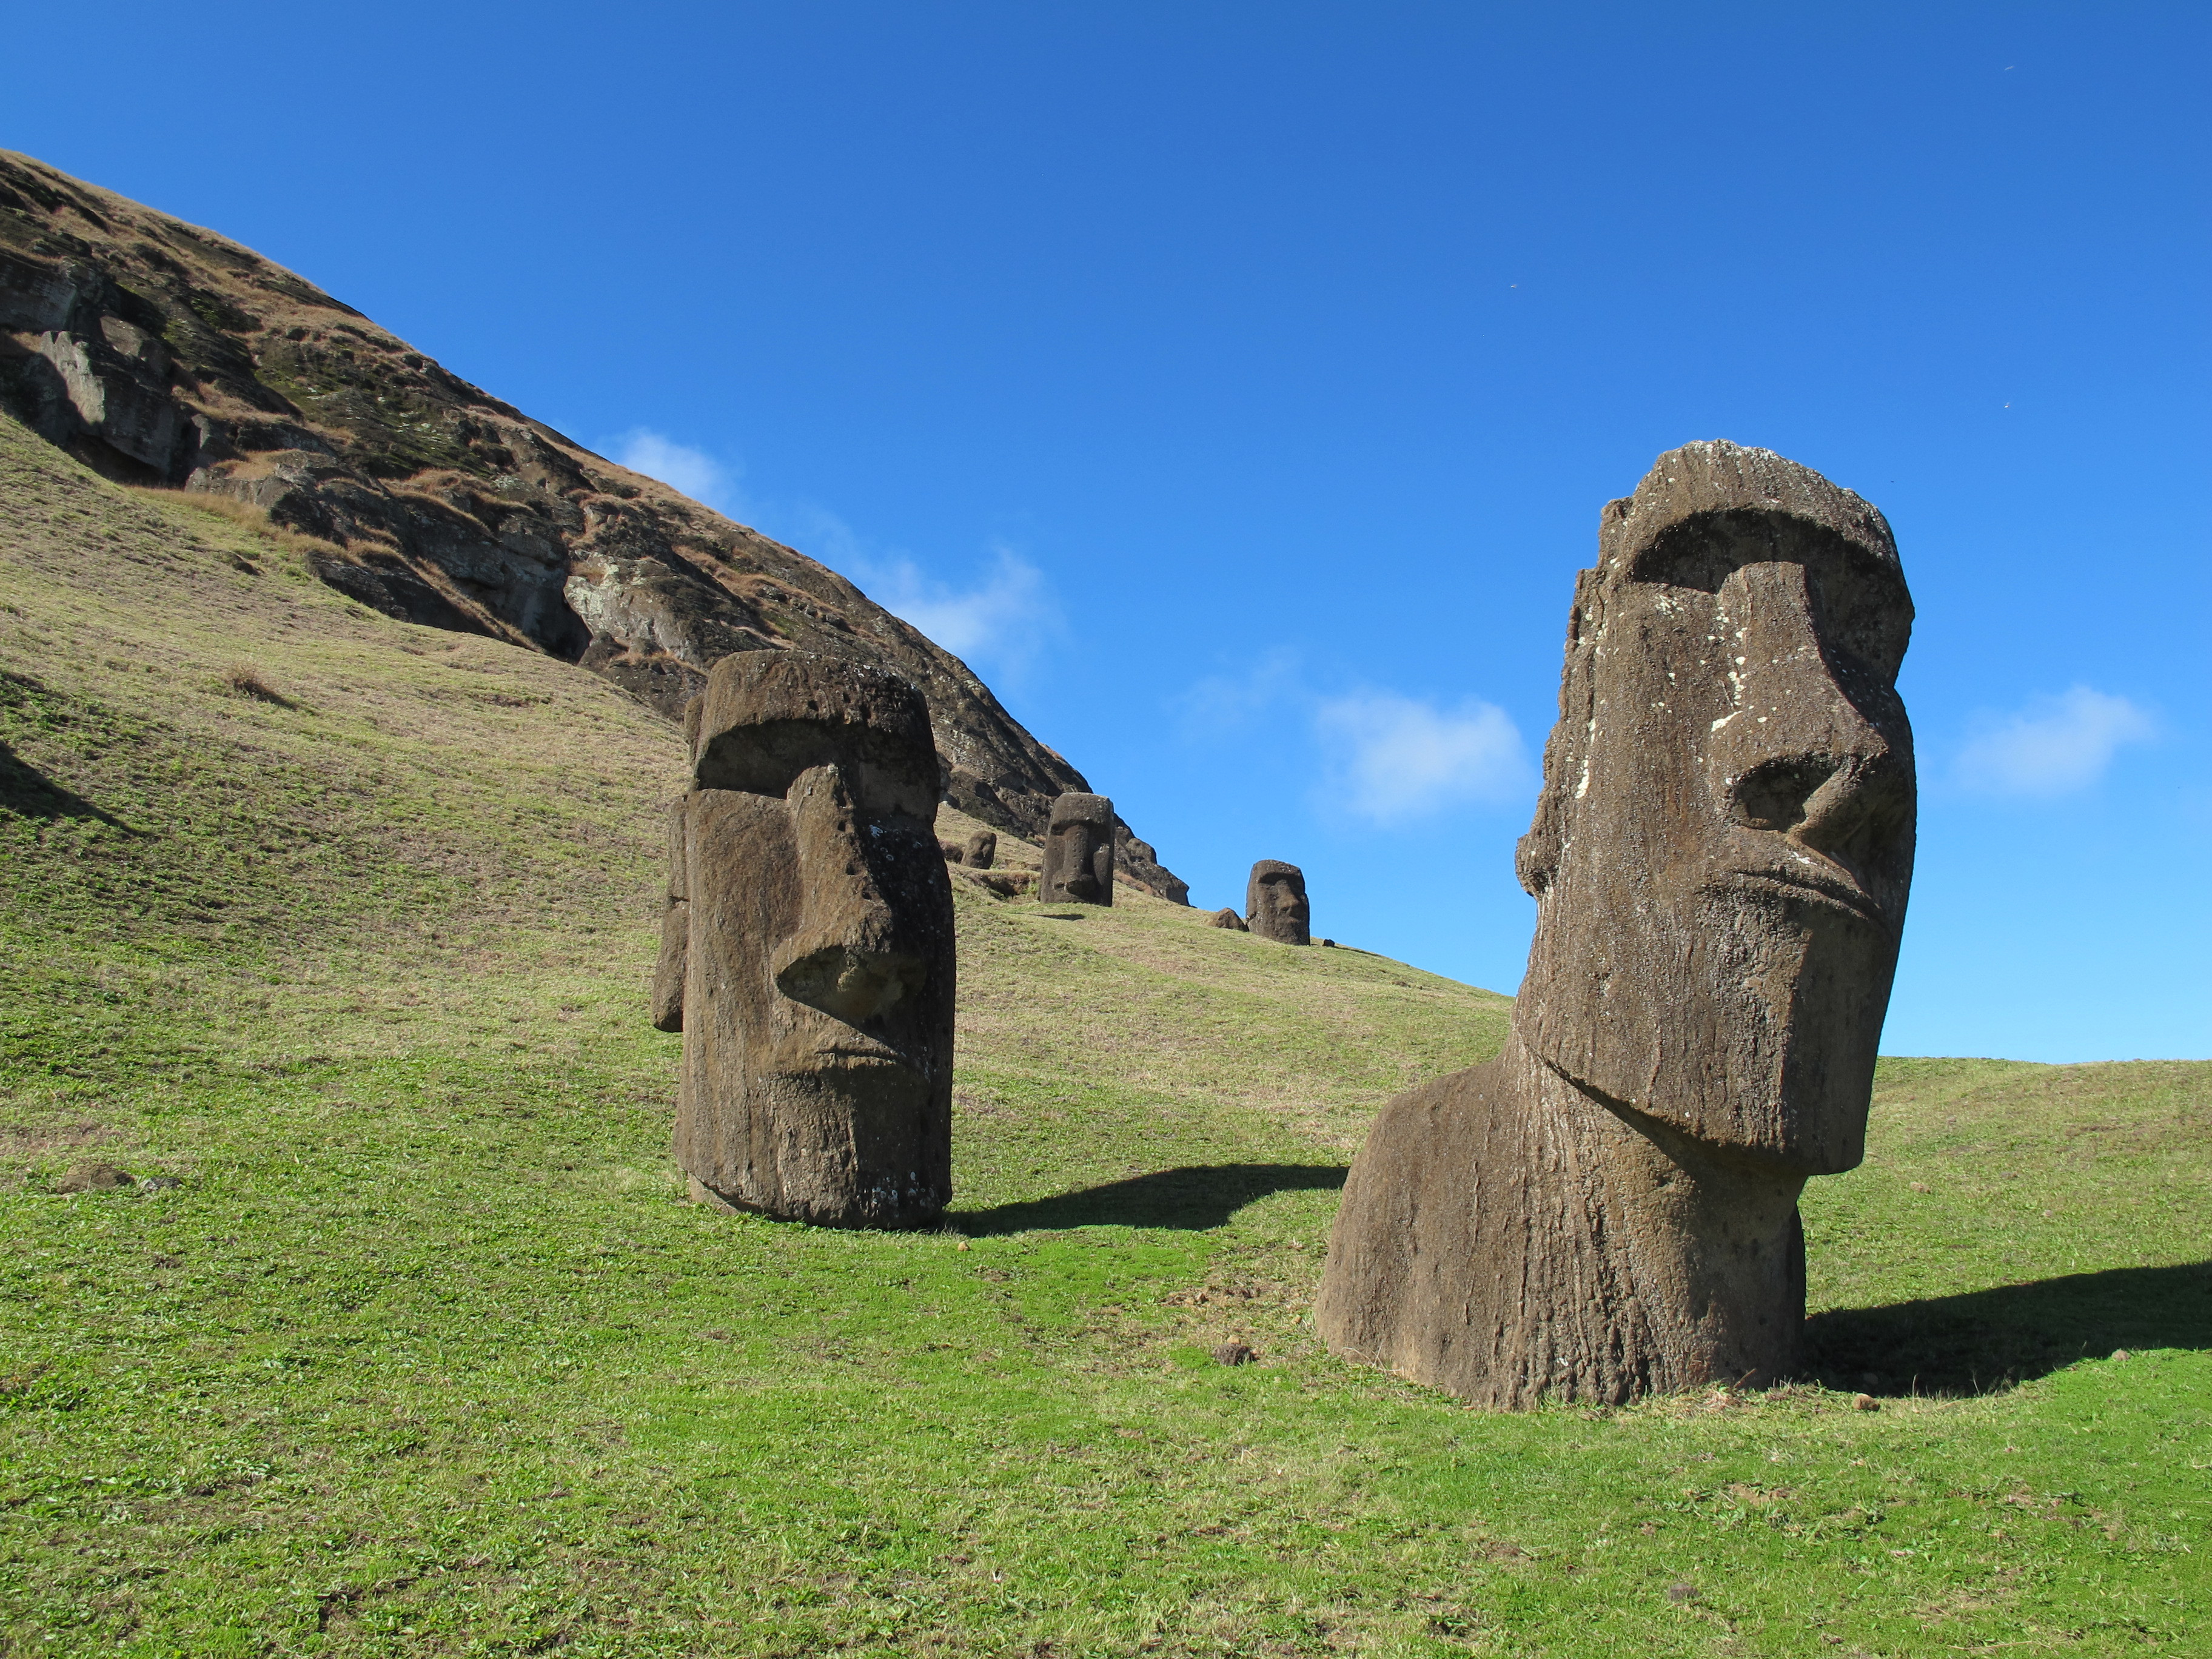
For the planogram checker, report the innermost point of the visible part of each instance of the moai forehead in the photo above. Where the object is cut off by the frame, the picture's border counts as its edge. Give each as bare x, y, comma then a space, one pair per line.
1096, 811
767, 716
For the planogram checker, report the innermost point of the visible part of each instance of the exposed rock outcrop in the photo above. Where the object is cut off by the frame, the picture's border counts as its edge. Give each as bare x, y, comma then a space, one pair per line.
160, 354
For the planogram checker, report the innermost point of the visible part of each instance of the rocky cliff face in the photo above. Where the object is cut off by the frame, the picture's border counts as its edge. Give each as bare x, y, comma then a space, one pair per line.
160, 354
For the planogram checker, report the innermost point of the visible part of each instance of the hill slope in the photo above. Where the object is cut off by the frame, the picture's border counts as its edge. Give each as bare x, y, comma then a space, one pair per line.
342, 926
158, 353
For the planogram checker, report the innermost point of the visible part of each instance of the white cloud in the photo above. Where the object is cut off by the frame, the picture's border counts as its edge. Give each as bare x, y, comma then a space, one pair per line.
1221, 703
2052, 747
694, 472
1389, 758
1005, 618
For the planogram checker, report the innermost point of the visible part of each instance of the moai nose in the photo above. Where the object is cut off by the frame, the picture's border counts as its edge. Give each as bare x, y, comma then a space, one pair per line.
842, 958
1796, 756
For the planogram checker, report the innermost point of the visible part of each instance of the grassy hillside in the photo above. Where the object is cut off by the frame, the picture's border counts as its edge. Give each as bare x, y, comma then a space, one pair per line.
333, 934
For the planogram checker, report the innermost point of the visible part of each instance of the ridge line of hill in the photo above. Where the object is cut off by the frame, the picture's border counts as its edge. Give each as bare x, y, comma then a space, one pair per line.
160, 354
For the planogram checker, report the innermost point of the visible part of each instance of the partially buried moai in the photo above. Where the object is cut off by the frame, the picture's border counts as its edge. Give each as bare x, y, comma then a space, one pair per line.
1275, 904
1078, 852
981, 849
807, 947
1720, 859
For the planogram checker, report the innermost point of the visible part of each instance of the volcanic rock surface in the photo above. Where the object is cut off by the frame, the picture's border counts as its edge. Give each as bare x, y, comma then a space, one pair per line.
160, 354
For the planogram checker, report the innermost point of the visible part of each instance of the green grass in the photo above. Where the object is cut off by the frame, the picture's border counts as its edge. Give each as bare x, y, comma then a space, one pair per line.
423, 1353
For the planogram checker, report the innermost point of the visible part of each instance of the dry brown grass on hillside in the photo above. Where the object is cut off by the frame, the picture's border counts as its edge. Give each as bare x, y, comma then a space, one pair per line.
244, 514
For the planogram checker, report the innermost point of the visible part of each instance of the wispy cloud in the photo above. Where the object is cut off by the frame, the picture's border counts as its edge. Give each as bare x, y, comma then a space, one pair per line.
1003, 620
2054, 746
1390, 759
1221, 703
694, 472
1007, 616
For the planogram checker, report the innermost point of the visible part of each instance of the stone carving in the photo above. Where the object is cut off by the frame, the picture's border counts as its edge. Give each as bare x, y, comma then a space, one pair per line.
950, 851
1276, 903
1226, 916
1078, 852
809, 930
675, 917
1720, 861
983, 850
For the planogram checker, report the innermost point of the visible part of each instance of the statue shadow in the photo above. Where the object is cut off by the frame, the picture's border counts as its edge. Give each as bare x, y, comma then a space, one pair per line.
1986, 1340
29, 793
1193, 1198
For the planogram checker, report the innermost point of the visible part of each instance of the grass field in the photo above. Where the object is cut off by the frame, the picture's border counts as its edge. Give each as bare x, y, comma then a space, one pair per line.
333, 934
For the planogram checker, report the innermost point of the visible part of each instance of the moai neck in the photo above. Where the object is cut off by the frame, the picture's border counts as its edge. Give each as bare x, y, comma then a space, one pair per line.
1669, 1264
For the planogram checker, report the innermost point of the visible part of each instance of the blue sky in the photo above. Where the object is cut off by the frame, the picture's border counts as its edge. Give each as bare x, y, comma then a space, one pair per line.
1236, 386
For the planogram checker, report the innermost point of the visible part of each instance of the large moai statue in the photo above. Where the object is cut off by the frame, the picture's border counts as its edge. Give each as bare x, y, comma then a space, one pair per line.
1276, 903
1078, 852
809, 926
1720, 859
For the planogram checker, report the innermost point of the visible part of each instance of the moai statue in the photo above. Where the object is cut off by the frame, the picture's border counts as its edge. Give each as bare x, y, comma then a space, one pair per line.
1078, 852
983, 850
950, 851
1226, 916
1276, 903
1720, 861
809, 930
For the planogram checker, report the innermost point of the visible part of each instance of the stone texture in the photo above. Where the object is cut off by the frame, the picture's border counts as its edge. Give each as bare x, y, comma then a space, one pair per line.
817, 965
1078, 852
1276, 903
981, 850
1226, 916
161, 353
951, 852
1720, 858
675, 930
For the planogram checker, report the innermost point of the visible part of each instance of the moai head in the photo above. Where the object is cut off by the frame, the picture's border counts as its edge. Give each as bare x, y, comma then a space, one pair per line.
983, 850
1275, 902
1078, 852
819, 992
1724, 844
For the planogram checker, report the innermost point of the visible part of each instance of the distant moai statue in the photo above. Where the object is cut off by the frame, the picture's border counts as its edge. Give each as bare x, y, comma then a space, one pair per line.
983, 850
1226, 916
807, 947
1720, 859
1078, 852
1275, 904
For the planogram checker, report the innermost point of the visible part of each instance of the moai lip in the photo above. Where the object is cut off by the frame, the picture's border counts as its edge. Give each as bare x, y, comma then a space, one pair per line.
1721, 857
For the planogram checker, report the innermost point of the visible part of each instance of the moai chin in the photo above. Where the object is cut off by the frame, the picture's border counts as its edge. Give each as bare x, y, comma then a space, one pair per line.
807, 951
1276, 903
1720, 861
1078, 852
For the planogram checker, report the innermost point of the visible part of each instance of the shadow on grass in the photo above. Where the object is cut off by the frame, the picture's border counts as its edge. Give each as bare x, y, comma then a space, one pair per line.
1986, 1340
1195, 1197
30, 793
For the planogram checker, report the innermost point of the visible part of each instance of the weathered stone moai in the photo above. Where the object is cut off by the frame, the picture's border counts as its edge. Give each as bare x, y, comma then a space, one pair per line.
1720, 861
1226, 916
951, 852
1276, 903
807, 947
1078, 852
981, 850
